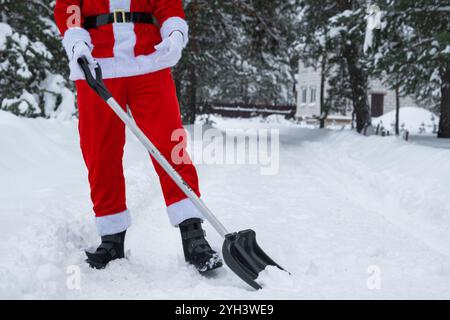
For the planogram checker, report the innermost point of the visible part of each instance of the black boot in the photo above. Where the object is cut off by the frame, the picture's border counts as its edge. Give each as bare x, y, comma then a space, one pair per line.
197, 250
111, 248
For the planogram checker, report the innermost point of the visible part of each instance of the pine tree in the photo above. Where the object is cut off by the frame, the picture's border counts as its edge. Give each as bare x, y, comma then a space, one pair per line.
272, 28
208, 57
413, 52
332, 36
33, 66
239, 51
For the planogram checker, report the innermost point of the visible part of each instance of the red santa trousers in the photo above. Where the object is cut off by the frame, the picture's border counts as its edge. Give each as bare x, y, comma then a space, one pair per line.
153, 103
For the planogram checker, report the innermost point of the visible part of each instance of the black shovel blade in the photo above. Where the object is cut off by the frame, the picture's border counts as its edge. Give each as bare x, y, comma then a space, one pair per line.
244, 256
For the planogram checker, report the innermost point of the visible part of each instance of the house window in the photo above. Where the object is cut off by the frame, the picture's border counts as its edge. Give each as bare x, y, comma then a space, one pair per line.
313, 95
304, 95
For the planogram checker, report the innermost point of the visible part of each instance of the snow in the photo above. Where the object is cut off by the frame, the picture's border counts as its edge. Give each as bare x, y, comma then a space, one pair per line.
26, 101
348, 216
373, 18
412, 118
55, 85
272, 121
429, 140
5, 31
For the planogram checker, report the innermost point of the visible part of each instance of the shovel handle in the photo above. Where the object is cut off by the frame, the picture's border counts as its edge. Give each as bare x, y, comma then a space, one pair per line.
96, 83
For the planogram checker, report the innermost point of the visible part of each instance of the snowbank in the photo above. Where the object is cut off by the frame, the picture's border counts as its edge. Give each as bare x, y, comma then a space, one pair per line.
413, 119
342, 210
260, 122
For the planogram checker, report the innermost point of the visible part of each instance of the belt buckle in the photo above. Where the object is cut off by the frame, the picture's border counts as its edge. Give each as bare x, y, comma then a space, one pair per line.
122, 14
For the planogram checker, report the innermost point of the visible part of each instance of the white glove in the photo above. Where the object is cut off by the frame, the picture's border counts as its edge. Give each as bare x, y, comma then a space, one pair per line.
170, 49
81, 49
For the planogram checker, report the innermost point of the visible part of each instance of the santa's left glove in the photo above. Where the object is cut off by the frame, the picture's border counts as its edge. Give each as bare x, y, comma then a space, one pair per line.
170, 50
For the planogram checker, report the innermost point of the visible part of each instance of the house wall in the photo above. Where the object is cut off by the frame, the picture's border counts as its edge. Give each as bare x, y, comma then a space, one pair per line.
309, 78
376, 86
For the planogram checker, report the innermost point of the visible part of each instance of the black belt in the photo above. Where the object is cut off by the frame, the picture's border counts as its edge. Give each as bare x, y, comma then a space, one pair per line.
118, 16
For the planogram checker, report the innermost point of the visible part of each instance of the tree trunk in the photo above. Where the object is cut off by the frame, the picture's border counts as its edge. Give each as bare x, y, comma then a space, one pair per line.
323, 111
191, 112
397, 112
358, 83
352, 51
444, 124
192, 97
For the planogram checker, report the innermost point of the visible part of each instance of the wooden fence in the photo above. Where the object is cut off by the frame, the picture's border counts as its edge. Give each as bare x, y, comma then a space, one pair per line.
241, 110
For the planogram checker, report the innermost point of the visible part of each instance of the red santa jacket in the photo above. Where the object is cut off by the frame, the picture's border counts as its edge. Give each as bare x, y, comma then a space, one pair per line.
122, 49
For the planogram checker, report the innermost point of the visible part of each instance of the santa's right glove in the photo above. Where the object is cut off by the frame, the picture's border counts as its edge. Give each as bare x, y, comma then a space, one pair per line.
81, 49
77, 43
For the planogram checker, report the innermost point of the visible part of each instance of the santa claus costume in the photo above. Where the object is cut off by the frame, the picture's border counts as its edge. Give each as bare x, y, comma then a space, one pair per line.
135, 42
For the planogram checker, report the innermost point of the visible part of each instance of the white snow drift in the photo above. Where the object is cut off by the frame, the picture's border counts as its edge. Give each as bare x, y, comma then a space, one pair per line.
348, 216
413, 119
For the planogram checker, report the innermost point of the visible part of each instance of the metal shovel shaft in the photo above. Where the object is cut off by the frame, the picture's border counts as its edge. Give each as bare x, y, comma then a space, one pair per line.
167, 167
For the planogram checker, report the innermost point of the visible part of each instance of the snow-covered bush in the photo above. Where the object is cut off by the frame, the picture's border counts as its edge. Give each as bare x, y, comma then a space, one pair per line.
33, 65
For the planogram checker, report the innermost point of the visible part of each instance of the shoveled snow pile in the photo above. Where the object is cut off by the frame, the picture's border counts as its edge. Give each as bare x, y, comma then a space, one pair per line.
348, 216
413, 119
230, 123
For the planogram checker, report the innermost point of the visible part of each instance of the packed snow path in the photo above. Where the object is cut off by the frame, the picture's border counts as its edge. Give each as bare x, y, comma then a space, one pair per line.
342, 209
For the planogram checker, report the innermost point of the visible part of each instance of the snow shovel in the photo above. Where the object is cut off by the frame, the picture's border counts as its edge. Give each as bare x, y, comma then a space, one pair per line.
240, 250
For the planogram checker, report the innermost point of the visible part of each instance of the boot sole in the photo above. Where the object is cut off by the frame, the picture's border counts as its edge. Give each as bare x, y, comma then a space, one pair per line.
215, 267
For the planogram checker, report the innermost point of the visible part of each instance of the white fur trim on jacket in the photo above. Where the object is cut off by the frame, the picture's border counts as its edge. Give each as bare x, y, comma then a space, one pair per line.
113, 224
183, 210
74, 35
123, 65
119, 67
175, 24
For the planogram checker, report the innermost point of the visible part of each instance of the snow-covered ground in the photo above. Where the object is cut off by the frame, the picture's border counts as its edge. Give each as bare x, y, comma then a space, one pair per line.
344, 214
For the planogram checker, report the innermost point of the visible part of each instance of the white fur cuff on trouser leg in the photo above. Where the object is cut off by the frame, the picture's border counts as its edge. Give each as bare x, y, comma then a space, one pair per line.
183, 210
113, 224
